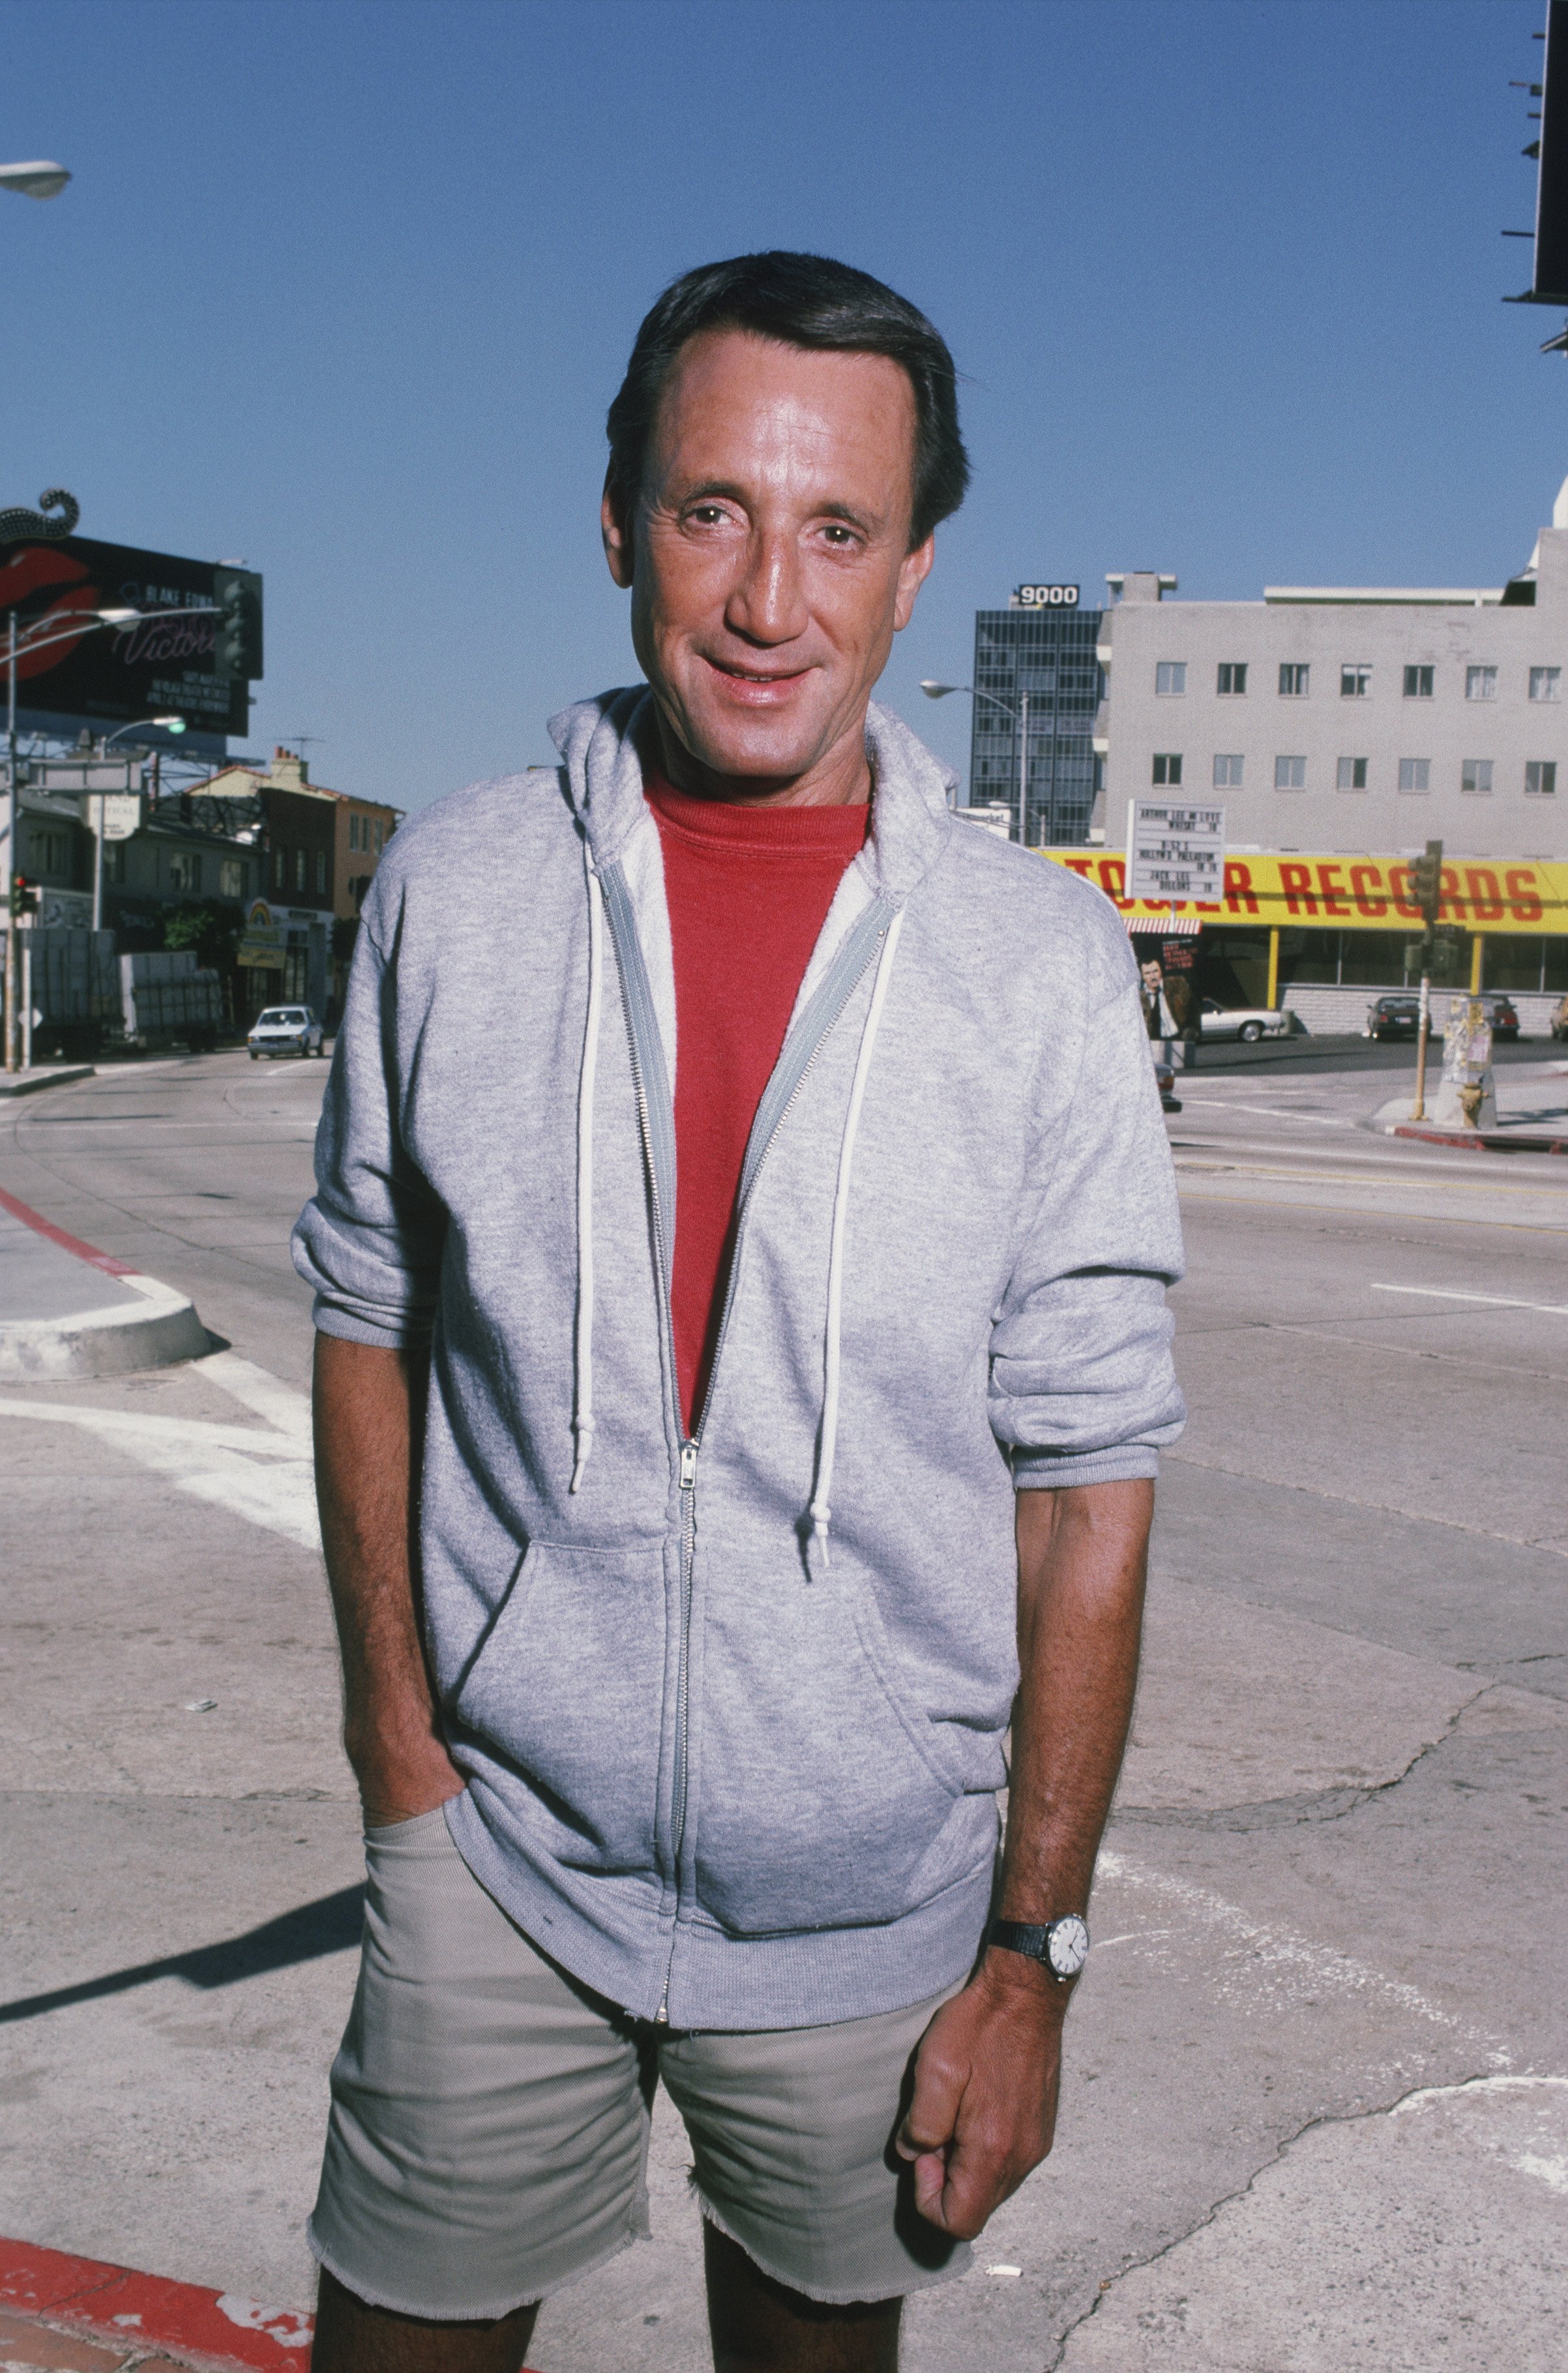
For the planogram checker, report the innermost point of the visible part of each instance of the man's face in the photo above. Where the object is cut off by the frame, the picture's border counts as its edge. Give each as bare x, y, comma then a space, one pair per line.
768, 558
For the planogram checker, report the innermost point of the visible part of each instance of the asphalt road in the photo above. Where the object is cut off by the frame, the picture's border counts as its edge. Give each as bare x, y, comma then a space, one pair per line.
1316, 2097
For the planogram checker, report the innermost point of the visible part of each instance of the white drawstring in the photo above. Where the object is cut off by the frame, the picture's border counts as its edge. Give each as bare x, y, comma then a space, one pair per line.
827, 1444
582, 1347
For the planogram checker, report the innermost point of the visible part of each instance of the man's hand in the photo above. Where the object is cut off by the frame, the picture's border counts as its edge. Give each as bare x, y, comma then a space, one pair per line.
984, 2107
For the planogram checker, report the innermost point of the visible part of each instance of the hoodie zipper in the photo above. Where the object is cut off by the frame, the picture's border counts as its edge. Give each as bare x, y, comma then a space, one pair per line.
691, 1443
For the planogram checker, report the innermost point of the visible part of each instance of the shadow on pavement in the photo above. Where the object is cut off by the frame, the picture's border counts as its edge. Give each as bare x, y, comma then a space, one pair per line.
329, 1925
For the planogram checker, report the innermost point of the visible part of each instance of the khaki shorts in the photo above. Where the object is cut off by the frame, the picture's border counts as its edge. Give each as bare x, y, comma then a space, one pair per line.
488, 2137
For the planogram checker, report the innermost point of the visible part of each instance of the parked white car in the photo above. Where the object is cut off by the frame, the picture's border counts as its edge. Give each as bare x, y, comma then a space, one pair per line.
285, 1030
1248, 1021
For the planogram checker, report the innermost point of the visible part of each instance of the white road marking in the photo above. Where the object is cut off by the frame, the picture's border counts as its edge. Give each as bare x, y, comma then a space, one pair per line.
1268, 1112
1250, 1956
262, 1474
1497, 1301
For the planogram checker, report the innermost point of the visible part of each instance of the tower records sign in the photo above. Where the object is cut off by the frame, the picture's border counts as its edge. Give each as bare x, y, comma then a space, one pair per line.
1045, 597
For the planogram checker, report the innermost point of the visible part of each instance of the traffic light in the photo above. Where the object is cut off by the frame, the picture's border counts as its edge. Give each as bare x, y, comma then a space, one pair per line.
24, 897
1426, 881
237, 596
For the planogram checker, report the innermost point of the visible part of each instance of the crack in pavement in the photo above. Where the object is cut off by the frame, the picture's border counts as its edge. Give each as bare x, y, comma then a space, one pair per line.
1388, 2108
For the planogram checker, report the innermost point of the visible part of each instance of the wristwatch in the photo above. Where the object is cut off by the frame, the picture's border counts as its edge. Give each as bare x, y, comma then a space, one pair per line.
1061, 1947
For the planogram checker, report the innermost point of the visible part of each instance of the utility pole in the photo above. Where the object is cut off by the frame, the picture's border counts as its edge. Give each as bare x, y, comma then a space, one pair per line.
13, 850
1426, 883
1023, 769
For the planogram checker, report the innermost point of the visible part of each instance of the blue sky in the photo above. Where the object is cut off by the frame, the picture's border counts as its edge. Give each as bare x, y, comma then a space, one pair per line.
344, 289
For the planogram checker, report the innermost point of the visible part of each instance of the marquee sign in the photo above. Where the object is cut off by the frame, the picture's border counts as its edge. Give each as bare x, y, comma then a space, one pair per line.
1045, 597
1355, 892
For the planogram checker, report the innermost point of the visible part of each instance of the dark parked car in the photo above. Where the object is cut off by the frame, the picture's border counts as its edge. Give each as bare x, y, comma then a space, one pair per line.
1393, 1017
1400, 1017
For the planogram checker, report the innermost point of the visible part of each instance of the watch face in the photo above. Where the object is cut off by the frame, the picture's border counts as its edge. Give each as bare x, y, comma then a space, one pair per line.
1067, 1945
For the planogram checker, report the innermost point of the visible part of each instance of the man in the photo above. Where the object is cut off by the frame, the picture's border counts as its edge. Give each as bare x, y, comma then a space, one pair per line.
742, 1228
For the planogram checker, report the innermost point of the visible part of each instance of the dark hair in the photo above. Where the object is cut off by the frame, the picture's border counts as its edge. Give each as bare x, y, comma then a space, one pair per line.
800, 300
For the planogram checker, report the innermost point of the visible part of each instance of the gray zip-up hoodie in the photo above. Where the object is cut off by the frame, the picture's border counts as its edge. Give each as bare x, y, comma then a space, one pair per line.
730, 1710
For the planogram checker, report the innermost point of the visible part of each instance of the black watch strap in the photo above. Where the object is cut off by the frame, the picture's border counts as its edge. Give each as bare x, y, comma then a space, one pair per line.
1035, 1943
1018, 1936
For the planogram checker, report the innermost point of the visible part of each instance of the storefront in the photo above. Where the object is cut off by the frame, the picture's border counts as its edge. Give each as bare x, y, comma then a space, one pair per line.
1322, 936
283, 957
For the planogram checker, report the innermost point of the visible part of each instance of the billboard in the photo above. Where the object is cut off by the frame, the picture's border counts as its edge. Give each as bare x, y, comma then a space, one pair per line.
198, 667
1367, 893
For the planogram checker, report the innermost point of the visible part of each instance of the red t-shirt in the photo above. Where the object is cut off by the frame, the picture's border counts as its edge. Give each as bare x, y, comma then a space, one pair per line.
748, 892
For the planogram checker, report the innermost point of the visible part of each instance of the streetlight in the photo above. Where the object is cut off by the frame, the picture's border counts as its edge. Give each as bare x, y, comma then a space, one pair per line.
165, 725
1019, 716
38, 179
83, 622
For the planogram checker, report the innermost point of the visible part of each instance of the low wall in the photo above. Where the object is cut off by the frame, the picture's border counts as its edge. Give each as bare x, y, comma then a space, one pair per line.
1332, 1012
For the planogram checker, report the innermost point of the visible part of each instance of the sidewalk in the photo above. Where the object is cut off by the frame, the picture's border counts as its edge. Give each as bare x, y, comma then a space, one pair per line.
67, 1309
1532, 1112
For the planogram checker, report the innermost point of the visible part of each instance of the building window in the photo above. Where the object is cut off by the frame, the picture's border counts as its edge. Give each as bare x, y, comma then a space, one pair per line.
1480, 684
1227, 772
1546, 684
1290, 773
1167, 768
1475, 774
1350, 775
378, 839
1356, 682
1296, 677
321, 873
354, 833
299, 868
184, 870
1418, 682
231, 878
1415, 774
114, 861
1541, 777
279, 873
1170, 678
1233, 678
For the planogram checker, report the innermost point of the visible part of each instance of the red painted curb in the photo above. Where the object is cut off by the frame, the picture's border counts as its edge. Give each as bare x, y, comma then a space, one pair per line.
1482, 1142
213, 2329
90, 1252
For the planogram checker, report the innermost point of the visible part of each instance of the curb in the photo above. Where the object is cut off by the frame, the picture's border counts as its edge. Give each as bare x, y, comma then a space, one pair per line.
108, 1342
59, 1075
214, 2331
1479, 1141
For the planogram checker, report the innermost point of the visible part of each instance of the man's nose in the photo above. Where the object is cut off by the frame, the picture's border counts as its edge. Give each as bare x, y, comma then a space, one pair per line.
768, 601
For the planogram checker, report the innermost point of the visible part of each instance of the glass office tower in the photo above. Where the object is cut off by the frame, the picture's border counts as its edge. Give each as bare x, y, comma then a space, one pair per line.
1049, 655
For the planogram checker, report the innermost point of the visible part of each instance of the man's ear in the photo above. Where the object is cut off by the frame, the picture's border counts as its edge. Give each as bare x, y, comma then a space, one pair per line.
913, 571
616, 533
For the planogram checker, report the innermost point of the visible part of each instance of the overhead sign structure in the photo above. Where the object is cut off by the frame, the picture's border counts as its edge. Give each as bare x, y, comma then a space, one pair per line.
1045, 597
1175, 851
1549, 280
198, 665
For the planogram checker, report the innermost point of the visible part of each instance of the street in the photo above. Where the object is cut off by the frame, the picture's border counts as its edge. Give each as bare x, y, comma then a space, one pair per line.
1315, 2100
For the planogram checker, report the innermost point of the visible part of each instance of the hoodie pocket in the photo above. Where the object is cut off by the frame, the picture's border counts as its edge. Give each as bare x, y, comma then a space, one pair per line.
825, 1789
569, 1689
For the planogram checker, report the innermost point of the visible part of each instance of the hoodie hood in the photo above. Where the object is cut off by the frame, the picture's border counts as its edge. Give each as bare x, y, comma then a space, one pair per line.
604, 743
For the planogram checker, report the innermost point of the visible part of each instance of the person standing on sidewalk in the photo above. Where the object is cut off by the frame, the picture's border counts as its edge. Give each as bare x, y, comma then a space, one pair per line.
742, 1228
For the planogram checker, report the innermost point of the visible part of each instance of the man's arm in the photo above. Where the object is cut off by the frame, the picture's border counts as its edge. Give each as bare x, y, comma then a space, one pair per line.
985, 2077
368, 1409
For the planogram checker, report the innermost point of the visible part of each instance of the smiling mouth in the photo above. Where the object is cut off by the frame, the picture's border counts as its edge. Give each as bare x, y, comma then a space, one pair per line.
757, 675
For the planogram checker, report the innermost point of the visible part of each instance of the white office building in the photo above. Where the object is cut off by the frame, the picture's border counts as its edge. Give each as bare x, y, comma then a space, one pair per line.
1349, 718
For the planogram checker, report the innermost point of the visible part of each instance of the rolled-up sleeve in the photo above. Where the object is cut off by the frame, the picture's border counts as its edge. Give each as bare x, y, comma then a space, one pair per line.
369, 1240
1083, 1384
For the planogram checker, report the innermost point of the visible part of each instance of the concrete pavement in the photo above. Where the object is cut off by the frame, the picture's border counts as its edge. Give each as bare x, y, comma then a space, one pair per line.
1327, 1922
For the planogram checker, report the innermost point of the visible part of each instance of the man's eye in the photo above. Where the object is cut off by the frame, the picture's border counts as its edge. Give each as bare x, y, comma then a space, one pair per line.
706, 514
840, 536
